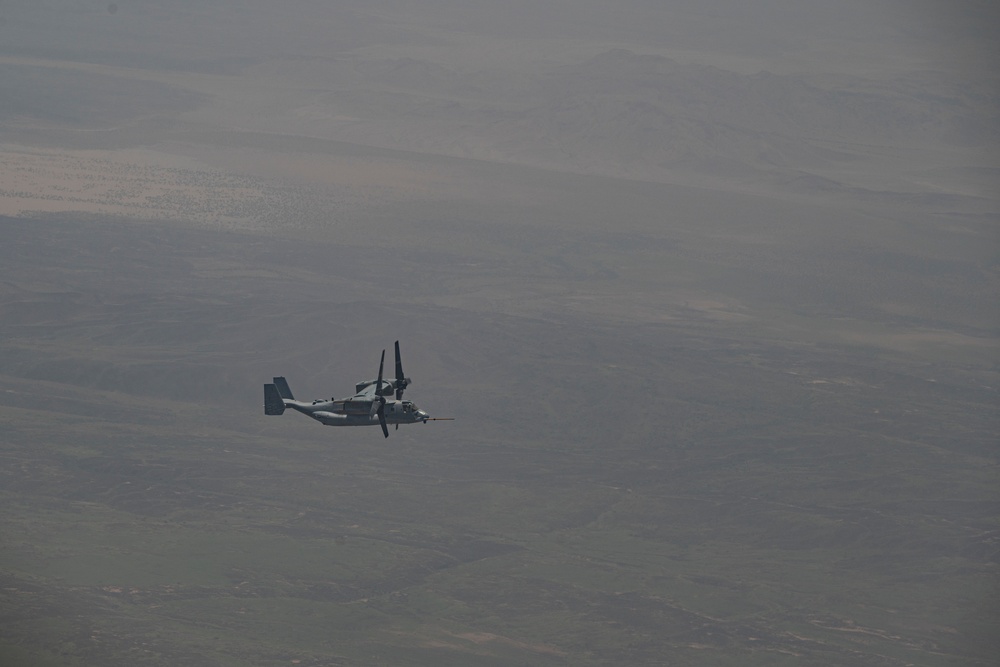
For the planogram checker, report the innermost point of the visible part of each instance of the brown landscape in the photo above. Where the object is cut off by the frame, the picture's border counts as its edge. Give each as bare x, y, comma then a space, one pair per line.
710, 288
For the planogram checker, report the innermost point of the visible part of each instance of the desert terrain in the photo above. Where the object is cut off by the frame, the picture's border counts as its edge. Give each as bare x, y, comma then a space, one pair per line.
710, 288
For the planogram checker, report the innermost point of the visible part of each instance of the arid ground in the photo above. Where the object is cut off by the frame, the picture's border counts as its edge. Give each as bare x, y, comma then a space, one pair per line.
710, 288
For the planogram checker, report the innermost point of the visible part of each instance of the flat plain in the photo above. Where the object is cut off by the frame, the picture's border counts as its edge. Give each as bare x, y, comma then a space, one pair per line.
716, 317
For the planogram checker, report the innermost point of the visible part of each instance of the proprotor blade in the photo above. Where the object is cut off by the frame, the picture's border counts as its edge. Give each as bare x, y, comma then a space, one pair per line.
401, 380
381, 418
378, 385
380, 399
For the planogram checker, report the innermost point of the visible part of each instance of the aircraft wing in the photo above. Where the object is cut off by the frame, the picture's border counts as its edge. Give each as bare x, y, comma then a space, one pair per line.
367, 393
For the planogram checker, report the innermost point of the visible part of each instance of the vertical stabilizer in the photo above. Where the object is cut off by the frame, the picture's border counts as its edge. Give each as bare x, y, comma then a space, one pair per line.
273, 403
283, 389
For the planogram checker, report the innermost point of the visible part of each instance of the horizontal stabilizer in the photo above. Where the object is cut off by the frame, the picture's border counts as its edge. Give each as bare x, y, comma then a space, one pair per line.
283, 390
273, 404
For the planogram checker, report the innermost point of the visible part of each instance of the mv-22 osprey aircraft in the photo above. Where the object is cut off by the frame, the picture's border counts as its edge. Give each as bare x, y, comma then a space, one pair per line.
366, 408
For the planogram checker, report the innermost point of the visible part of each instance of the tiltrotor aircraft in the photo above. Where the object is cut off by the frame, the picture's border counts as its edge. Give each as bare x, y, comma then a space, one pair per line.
366, 408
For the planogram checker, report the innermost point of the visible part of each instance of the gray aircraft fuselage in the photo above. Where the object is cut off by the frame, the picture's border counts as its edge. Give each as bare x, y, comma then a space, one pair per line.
368, 407
351, 412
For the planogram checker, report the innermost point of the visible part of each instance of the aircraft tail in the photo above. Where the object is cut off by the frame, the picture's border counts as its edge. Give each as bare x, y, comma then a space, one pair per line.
273, 403
283, 389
